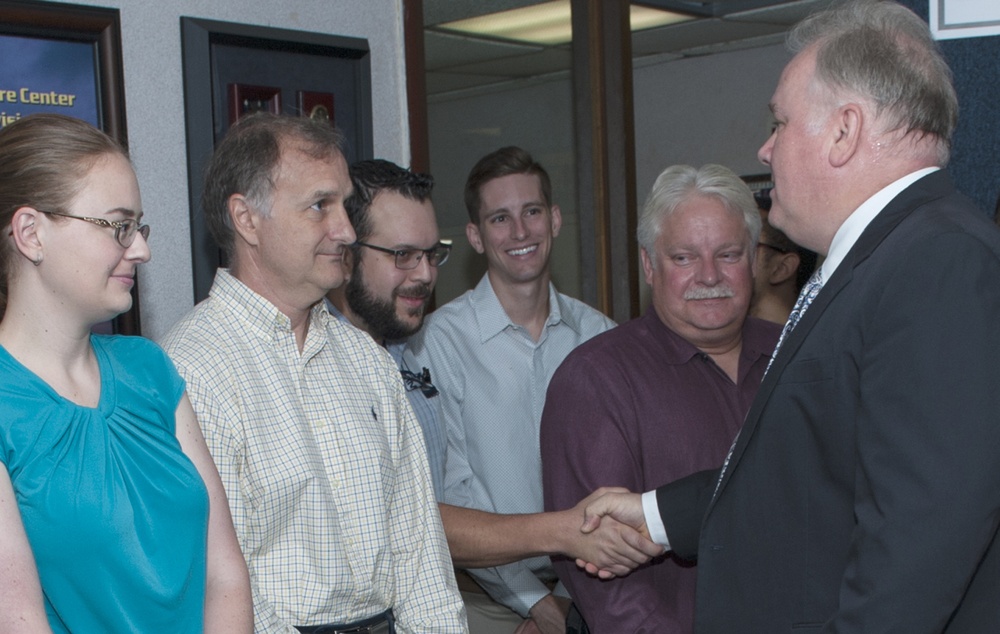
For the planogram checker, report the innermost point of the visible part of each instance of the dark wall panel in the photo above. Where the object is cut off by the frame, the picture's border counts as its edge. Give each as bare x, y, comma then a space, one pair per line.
975, 157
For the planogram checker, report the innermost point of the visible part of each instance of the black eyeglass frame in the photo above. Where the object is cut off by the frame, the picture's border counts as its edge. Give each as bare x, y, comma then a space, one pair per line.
121, 227
436, 255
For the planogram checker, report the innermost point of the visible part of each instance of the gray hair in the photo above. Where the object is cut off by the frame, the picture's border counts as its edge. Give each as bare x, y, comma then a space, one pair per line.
884, 52
246, 159
677, 183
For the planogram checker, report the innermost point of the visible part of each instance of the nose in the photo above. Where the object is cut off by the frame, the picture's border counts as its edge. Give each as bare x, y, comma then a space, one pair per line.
708, 272
519, 230
764, 153
340, 229
423, 272
138, 251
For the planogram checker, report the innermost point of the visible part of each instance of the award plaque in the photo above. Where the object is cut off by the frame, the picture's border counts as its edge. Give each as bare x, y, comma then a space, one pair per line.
316, 105
245, 99
232, 69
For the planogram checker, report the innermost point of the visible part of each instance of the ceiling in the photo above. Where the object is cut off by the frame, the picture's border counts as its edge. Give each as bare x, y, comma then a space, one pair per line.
459, 62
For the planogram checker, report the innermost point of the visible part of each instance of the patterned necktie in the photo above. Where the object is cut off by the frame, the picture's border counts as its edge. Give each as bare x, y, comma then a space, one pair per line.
806, 297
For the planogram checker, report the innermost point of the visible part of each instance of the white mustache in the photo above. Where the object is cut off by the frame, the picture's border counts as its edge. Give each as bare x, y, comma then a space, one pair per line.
709, 292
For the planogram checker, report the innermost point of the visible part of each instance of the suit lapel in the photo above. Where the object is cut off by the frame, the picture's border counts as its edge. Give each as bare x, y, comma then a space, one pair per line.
930, 187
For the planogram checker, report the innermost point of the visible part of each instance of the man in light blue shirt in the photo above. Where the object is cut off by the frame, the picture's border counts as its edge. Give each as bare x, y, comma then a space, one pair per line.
492, 352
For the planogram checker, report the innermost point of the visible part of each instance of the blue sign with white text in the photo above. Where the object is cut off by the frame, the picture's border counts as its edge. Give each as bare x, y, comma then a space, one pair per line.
47, 75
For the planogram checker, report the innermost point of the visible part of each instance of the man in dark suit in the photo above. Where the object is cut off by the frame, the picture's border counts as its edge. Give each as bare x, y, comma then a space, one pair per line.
863, 493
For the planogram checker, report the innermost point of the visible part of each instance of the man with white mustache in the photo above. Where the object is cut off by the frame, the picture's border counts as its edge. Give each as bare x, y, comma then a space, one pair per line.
492, 352
663, 395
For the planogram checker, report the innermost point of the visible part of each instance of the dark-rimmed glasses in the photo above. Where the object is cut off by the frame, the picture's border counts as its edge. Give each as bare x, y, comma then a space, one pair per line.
408, 259
125, 230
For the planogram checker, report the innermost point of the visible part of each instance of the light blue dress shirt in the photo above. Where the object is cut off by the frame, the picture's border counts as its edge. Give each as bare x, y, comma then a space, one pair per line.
493, 377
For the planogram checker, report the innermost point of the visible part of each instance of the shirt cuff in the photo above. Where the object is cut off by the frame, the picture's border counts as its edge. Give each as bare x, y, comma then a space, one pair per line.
654, 523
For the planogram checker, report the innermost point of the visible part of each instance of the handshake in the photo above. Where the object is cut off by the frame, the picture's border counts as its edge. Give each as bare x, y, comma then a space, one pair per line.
612, 539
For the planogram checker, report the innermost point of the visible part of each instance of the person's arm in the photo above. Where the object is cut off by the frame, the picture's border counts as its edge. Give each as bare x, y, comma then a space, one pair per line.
514, 585
218, 414
547, 616
479, 539
21, 606
228, 601
678, 507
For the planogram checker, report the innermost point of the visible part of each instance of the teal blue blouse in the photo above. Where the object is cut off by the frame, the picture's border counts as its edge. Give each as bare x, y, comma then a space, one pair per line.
116, 514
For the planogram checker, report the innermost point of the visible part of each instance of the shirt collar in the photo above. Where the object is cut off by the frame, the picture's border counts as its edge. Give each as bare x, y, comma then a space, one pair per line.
676, 349
341, 317
259, 315
492, 318
859, 220
755, 340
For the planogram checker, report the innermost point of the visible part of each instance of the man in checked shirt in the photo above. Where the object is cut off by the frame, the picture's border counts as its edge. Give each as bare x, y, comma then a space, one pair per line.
307, 419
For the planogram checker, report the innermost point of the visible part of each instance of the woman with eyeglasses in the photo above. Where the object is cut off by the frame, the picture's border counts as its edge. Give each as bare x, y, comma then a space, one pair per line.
112, 516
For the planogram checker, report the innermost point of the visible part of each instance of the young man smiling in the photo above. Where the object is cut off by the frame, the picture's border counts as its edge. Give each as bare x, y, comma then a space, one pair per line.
492, 352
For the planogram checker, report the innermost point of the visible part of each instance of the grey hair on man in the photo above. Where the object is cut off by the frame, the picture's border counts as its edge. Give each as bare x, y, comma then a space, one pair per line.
245, 161
883, 52
678, 183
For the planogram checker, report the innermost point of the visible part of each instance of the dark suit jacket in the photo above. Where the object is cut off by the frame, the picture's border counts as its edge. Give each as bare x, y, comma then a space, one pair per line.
863, 494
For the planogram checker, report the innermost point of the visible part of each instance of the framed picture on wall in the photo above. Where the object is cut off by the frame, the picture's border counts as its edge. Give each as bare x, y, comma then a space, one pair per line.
68, 60
231, 69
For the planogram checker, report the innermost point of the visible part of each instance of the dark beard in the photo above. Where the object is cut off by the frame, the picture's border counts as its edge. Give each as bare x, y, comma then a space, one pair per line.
379, 314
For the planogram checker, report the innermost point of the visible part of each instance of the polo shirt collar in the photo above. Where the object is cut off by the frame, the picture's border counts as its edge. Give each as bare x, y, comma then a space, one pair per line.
678, 351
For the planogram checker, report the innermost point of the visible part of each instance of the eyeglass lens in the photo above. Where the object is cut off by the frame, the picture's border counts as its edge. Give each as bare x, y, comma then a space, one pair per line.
125, 233
410, 258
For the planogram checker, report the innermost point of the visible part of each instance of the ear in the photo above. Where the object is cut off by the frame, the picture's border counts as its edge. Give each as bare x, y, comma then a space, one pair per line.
647, 266
476, 240
244, 217
847, 123
556, 217
25, 229
785, 269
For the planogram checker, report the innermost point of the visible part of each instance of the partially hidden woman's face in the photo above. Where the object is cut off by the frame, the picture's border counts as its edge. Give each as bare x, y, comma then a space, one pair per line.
82, 261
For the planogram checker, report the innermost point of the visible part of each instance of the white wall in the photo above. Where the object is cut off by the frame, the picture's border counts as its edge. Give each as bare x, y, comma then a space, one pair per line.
698, 110
535, 115
155, 112
710, 109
